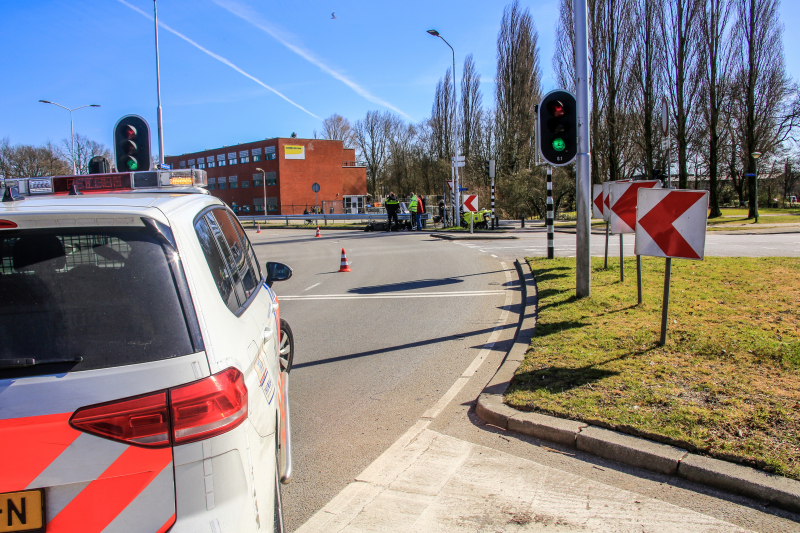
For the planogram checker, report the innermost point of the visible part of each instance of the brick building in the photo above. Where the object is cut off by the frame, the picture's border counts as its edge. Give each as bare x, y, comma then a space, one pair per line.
292, 166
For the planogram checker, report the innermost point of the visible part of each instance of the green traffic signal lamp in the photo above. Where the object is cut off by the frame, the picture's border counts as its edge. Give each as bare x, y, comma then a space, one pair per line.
132, 144
557, 128
559, 145
130, 163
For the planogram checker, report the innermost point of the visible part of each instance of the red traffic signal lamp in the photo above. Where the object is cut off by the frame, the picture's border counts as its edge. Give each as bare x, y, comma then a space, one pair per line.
557, 128
132, 144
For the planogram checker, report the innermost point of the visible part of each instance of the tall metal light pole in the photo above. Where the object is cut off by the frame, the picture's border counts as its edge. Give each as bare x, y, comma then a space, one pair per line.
754, 199
158, 90
583, 185
264, 183
456, 188
71, 128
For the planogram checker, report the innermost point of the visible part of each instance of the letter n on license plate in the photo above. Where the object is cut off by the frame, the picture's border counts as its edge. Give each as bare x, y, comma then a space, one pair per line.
22, 511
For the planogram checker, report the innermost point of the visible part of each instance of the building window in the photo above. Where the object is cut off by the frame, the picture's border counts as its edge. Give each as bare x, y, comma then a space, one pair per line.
245, 184
256, 158
231, 161
272, 207
201, 165
221, 162
182, 164
270, 157
272, 182
258, 208
211, 186
235, 208
246, 208
210, 164
244, 159
234, 185
257, 183
221, 186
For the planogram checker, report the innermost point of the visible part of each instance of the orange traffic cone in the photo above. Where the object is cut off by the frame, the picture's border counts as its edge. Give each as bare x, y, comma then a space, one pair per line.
317, 235
258, 226
345, 266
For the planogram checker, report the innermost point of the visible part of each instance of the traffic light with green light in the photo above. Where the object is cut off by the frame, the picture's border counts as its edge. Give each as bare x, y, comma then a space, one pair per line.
132, 144
557, 128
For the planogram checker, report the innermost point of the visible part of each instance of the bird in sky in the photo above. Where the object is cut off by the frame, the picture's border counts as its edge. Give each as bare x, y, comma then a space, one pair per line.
333, 15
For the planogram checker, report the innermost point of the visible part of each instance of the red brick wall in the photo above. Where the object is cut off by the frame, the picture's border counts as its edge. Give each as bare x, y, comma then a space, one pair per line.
322, 164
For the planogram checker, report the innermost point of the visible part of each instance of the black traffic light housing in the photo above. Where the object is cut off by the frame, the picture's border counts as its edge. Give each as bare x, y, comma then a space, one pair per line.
557, 128
486, 167
132, 144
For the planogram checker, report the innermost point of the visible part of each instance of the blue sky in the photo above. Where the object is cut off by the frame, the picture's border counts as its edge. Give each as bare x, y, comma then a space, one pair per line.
247, 69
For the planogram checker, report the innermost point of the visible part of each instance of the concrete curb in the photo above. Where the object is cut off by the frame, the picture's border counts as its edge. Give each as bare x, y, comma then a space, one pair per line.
613, 445
472, 237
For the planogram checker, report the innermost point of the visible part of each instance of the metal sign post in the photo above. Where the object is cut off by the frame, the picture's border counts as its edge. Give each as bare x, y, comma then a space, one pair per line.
665, 133
671, 223
639, 277
583, 185
550, 227
491, 175
622, 215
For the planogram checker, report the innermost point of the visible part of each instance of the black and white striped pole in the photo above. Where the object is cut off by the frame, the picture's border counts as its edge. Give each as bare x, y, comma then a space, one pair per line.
550, 228
491, 175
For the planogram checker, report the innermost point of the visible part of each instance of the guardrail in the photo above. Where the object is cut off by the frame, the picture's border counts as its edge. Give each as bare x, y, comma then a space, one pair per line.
316, 217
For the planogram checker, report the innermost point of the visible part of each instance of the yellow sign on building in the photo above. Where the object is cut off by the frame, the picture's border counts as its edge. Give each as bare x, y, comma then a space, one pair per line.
292, 151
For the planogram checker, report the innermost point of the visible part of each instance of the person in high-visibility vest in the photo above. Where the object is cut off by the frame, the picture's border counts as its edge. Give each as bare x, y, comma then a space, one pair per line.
392, 206
412, 206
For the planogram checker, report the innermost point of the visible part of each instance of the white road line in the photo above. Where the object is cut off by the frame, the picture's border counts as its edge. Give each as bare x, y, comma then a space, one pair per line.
386, 295
494, 256
311, 287
462, 380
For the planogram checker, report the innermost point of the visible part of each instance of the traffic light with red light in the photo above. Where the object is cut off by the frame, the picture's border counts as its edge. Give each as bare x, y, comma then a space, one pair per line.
557, 128
132, 144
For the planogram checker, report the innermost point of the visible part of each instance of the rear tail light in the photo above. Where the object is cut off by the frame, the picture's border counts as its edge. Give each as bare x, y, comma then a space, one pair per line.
189, 413
208, 407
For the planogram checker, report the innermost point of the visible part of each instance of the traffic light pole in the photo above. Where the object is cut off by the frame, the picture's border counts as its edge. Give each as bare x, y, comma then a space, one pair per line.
158, 90
583, 187
550, 228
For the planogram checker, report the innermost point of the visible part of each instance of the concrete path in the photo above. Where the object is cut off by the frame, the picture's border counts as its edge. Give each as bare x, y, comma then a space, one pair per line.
428, 481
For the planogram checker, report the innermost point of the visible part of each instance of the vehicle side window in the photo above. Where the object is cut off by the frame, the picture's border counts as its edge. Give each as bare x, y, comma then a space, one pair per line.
216, 263
231, 249
252, 277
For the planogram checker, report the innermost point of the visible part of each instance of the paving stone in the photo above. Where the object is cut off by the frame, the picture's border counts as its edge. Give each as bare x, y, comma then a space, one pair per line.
630, 450
546, 427
741, 480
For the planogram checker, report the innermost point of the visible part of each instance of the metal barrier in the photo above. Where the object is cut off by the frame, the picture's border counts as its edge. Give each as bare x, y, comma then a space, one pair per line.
316, 217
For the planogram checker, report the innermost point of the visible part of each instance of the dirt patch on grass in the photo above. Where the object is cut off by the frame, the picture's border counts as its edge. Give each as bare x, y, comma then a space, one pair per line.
727, 383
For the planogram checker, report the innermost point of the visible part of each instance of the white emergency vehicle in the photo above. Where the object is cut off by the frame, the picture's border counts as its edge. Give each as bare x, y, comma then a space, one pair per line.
143, 361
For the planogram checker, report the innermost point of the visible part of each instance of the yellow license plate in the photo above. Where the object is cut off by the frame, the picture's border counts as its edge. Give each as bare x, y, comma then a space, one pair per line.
22, 511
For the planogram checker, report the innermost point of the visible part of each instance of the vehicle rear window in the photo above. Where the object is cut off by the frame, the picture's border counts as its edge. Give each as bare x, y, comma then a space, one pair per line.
106, 295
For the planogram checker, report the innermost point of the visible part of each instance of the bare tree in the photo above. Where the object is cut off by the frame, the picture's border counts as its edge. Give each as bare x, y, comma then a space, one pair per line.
471, 107
338, 128
372, 137
442, 117
26, 161
763, 85
518, 88
85, 150
715, 69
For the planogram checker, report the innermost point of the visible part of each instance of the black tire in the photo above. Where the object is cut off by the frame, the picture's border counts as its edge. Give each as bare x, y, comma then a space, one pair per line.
286, 347
278, 525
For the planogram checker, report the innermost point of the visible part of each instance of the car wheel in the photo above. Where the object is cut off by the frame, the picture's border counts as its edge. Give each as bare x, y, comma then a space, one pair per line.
277, 515
286, 347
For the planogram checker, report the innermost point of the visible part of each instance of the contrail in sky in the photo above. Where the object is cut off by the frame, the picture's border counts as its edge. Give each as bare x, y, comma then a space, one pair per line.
220, 58
253, 17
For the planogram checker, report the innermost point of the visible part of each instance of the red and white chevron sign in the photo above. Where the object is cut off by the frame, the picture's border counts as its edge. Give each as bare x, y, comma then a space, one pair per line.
597, 200
622, 204
671, 223
471, 202
606, 189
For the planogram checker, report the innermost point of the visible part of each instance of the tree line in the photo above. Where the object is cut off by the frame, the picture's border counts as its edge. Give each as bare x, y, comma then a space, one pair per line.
719, 64
49, 159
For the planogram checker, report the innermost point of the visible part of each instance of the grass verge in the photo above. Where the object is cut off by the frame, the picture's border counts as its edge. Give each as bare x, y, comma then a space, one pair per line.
727, 383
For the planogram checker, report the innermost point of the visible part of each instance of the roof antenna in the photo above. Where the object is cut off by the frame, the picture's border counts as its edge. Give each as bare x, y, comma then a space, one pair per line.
12, 195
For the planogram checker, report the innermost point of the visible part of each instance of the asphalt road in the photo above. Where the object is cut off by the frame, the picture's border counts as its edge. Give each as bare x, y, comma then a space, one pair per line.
376, 347
379, 346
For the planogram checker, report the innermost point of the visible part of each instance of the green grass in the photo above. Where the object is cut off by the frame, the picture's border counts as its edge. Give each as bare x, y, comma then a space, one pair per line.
727, 383
742, 211
769, 219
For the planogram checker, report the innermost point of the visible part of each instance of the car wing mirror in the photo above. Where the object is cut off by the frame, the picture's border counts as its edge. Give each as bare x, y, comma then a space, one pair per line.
277, 272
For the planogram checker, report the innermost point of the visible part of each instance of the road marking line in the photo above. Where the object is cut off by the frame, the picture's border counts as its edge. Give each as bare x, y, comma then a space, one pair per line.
451, 393
311, 287
383, 295
494, 256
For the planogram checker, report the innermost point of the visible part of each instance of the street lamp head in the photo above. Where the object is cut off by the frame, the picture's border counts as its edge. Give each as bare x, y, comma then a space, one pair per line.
259, 169
45, 102
94, 105
434, 33
756, 155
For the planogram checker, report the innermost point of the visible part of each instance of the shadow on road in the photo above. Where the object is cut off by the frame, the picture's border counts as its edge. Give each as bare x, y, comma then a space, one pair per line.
417, 344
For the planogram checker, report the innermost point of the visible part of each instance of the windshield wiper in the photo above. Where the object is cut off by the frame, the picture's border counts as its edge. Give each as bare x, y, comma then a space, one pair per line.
25, 362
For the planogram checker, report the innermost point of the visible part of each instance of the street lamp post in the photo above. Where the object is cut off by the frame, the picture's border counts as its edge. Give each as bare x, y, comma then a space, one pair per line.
754, 199
456, 188
264, 183
71, 128
158, 90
